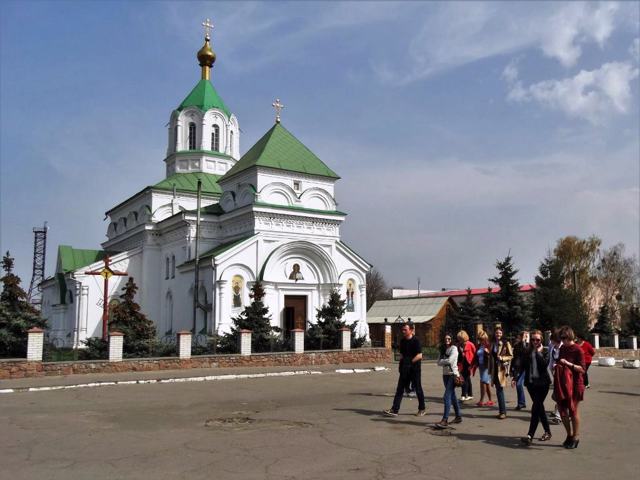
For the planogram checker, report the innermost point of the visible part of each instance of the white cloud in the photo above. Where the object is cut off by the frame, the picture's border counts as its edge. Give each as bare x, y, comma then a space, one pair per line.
592, 95
437, 212
458, 33
573, 25
634, 49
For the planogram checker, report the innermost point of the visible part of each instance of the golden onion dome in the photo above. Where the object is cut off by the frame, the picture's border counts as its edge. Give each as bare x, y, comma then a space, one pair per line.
206, 56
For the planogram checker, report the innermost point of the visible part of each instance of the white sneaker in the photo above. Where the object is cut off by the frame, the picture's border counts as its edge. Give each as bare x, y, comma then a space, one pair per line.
470, 398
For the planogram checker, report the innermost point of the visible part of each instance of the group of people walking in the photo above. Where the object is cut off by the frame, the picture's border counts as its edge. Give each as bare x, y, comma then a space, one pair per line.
563, 364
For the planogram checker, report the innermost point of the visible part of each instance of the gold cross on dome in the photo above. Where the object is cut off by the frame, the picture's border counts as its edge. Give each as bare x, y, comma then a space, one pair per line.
278, 106
207, 28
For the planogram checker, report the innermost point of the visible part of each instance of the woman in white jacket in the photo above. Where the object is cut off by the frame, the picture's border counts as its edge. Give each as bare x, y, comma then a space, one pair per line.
449, 363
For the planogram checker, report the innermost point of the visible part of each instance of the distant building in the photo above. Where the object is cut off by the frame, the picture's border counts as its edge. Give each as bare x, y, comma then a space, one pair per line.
428, 311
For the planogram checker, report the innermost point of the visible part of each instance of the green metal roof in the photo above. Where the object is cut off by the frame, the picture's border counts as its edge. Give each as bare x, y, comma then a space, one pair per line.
220, 249
71, 259
419, 310
188, 182
204, 97
279, 149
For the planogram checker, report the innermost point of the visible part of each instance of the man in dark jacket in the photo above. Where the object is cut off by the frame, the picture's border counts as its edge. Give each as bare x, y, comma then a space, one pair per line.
410, 370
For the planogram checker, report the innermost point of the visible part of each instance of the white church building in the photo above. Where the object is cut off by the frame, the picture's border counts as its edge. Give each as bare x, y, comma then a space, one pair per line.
268, 216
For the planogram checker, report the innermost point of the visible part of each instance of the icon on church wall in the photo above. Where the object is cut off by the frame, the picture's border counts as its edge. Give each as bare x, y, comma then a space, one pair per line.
350, 293
237, 284
295, 273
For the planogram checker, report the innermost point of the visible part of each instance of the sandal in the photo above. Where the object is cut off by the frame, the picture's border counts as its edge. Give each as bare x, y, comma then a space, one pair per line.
546, 436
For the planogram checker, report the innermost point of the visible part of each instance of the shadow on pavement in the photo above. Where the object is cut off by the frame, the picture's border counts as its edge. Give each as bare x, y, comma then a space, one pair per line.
630, 394
497, 440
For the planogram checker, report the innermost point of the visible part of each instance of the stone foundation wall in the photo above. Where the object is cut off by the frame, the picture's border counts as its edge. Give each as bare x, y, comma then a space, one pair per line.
21, 368
616, 353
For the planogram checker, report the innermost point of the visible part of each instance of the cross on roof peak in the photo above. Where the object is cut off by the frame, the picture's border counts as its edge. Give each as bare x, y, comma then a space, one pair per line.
278, 107
207, 28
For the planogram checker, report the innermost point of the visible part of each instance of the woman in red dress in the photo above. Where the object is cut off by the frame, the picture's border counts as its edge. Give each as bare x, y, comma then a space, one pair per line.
568, 385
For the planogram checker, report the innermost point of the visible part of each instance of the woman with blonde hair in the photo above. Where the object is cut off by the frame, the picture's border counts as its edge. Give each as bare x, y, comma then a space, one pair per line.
568, 385
466, 364
482, 360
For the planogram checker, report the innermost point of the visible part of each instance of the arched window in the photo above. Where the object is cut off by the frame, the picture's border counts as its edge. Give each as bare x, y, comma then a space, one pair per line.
166, 268
173, 266
192, 136
168, 315
231, 143
215, 138
175, 137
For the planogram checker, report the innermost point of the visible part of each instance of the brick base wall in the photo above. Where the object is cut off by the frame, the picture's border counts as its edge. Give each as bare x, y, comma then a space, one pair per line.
22, 369
617, 353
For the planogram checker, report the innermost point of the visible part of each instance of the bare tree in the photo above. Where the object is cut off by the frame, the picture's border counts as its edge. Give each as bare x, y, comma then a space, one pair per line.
617, 279
377, 288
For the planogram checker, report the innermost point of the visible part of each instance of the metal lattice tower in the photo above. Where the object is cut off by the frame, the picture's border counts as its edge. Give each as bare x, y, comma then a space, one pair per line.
37, 276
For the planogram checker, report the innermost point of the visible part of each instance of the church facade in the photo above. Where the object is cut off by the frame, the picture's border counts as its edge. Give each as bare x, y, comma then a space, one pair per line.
268, 216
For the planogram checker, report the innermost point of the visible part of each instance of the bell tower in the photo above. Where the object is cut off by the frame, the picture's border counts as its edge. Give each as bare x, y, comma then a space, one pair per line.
204, 136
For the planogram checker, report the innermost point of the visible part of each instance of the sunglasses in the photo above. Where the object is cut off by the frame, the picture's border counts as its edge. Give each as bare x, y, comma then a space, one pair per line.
536, 339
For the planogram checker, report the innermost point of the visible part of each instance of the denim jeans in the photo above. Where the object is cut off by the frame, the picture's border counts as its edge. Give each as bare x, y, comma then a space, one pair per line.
502, 406
467, 389
450, 396
416, 381
522, 400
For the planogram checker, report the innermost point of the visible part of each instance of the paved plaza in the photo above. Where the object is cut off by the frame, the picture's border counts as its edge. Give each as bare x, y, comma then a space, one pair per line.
303, 427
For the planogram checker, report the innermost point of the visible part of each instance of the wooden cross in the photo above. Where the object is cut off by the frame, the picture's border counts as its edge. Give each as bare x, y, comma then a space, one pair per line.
278, 106
106, 273
207, 28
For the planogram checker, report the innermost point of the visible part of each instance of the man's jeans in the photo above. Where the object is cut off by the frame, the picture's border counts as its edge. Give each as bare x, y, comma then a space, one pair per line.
522, 400
502, 406
450, 396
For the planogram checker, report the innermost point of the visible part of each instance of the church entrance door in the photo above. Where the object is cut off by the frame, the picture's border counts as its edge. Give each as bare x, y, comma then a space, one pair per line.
295, 313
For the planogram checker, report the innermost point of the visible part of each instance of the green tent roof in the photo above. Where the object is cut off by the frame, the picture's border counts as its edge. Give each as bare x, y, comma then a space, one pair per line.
279, 149
220, 249
204, 97
71, 259
188, 182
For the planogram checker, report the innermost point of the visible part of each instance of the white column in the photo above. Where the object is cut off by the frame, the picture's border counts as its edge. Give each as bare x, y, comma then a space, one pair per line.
35, 342
346, 339
222, 307
298, 340
616, 340
363, 311
634, 342
116, 340
245, 342
184, 344
387, 336
596, 341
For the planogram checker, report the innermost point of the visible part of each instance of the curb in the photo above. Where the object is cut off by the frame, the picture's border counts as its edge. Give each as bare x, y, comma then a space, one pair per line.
207, 378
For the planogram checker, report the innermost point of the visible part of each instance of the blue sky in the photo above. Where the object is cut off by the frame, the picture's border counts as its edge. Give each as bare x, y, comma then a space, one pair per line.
461, 131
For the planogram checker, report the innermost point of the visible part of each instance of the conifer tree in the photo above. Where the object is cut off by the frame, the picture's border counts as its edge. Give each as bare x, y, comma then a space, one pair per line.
17, 316
632, 324
254, 317
325, 333
553, 303
127, 317
468, 314
510, 309
603, 324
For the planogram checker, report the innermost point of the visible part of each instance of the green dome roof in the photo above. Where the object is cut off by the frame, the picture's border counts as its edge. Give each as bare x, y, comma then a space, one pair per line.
204, 97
